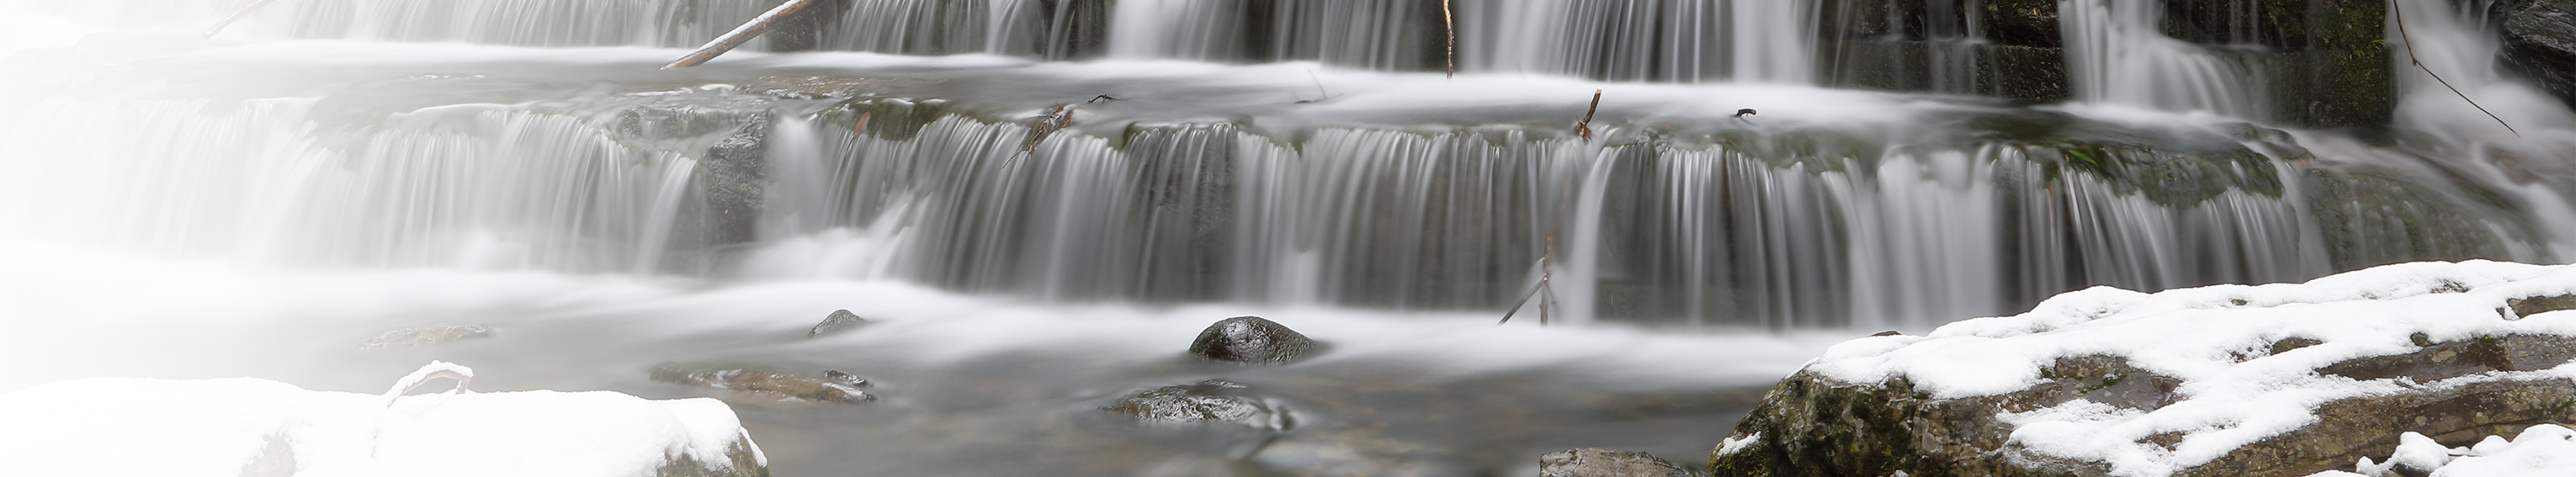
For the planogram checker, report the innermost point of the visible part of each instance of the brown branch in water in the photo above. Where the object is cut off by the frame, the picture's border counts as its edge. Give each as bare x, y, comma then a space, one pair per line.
1584, 128
1449, 24
237, 15
742, 34
1057, 118
2400, 12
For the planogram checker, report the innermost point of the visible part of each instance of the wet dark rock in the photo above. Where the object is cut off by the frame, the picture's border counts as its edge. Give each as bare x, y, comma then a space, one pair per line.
424, 335
2540, 43
2438, 361
2524, 307
2372, 219
892, 119
1599, 462
840, 321
835, 387
2010, 48
1250, 340
810, 87
1062, 29
2287, 344
1188, 199
732, 179
846, 379
2323, 61
1213, 401
805, 30
1814, 426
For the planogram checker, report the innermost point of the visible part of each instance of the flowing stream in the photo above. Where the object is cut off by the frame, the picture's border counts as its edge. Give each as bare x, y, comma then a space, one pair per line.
256, 203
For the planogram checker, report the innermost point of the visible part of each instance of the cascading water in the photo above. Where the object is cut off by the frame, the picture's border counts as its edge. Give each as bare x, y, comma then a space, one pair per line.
2117, 54
1038, 214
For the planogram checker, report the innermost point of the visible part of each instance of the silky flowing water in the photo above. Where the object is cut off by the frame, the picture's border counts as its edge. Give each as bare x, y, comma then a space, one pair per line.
257, 203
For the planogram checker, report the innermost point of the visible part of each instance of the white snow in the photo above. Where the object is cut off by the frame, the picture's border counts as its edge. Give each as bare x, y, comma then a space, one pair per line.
2540, 451
1732, 445
2216, 340
218, 427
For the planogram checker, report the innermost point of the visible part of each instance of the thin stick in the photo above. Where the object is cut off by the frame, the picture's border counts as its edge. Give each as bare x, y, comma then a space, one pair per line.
2400, 11
1449, 24
742, 34
237, 15
1321, 94
1546, 278
1584, 128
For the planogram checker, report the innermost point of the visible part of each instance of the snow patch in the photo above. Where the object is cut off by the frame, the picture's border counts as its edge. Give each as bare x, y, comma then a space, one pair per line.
1737, 444
2219, 342
217, 427
2542, 450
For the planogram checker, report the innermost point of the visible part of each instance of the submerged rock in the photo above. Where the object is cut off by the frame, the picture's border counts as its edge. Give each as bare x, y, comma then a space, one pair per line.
1251, 340
2457, 366
1599, 462
424, 335
835, 386
1211, 401
841, 320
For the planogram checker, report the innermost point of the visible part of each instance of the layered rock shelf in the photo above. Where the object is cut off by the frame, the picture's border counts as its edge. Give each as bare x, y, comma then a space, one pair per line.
2229, 380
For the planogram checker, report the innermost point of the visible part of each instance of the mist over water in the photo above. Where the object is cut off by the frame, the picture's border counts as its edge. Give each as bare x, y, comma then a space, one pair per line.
257, 203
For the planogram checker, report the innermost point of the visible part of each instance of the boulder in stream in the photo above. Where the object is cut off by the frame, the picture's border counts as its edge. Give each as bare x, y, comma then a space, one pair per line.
424, 335
841, 320
1251, 340
2273, 381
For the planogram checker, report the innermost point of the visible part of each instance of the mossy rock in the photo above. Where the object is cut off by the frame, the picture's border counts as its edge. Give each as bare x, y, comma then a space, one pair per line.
891, 119
2369, 219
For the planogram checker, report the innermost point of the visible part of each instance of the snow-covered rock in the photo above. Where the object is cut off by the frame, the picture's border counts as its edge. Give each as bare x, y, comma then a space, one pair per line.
2270, 380
2540, 451
256, 427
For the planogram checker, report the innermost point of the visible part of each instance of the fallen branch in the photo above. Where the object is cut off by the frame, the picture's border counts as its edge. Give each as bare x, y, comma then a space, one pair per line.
1059, 117
1449, 24
2400, 11
742, 34
237, 15
1585, 128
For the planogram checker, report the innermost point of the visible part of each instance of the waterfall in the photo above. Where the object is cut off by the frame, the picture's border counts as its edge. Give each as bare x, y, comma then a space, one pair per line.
462, 186
2117, 54
919, 174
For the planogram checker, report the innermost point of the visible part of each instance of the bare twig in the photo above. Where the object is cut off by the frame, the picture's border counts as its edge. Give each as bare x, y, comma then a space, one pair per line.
1321, 95
237, 15
742, 34
1449, 24
2400, 12
1584, 128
